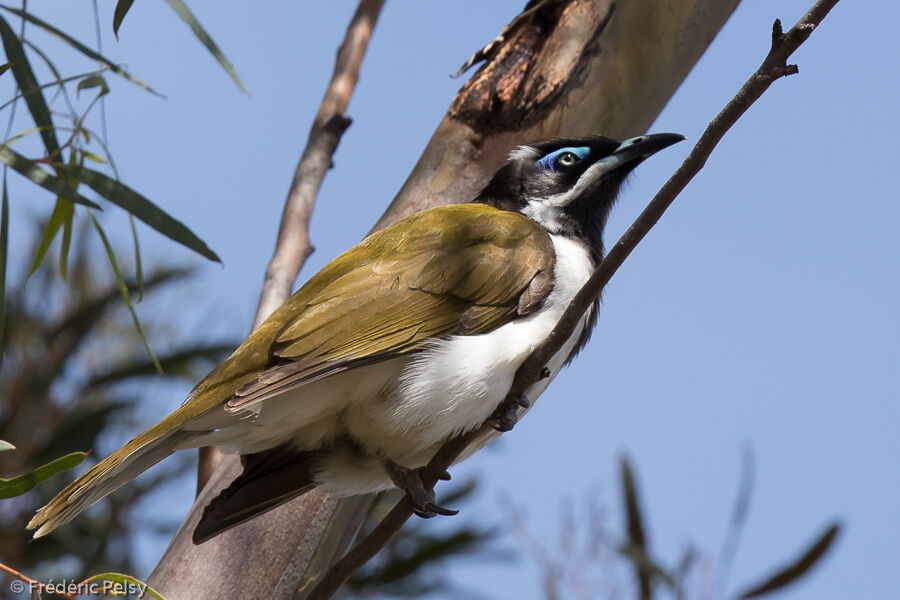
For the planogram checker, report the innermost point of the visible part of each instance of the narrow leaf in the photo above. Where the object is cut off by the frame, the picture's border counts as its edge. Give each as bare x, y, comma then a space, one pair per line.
66, 243
29, 169
138, 265
123, 290
188, 17
5, 67
122, 7
58, 81
123, 585
4, 248
93, 157
57, 218
92, 81
799, 567
125, 197
5, 446
27, 83
77, 45
16, 486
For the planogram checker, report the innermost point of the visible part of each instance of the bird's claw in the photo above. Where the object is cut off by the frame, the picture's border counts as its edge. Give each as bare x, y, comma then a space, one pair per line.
507, 414
431, 509
421, 500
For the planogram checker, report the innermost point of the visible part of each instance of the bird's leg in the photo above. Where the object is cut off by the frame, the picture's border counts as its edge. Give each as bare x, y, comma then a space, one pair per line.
423, 501
505, 417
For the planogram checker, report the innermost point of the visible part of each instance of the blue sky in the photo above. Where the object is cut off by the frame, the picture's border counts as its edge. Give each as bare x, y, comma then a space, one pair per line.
761, 311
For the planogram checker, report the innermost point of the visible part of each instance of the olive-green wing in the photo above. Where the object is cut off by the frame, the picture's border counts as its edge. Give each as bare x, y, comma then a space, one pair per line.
459, 269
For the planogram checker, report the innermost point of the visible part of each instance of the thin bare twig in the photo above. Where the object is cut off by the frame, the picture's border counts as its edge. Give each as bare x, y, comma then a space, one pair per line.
293, 246
773, 68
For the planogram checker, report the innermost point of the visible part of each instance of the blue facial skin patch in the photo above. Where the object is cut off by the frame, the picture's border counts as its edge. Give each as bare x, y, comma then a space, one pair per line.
550, 163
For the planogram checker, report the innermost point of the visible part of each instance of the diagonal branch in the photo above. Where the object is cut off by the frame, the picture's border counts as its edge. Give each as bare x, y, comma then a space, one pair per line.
293, 246
773, 68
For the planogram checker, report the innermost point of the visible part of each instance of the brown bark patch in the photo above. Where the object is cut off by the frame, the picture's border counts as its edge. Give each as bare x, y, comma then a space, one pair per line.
531, 65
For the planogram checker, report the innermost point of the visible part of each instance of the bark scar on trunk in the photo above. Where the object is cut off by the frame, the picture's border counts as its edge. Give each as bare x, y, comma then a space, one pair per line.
528, 68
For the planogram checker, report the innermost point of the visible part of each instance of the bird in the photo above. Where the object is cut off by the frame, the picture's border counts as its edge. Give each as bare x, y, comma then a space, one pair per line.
410, 338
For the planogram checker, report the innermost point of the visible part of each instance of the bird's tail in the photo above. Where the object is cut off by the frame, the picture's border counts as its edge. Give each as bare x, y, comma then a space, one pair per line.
126, 463
270, 478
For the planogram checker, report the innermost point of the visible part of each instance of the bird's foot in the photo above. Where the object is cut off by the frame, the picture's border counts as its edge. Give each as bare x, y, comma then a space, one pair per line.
422, 500
505, 417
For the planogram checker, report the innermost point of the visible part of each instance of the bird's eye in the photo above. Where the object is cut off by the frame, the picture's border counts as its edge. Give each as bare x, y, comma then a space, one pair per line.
567, 159
564, 158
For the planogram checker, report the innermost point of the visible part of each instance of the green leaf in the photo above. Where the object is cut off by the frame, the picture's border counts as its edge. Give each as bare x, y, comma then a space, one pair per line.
93, 157
57, 219
29, 169
66, 243
4, 248
58, 81
122, 7
797, 568
92, 81
125, 197
16, 486
138, 265
5, 67
123, 290
27, 83
187, 16
75, 44
123, 585
5, 446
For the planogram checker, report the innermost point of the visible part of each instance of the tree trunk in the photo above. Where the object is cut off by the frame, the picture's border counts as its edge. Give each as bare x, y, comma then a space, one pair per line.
562, 68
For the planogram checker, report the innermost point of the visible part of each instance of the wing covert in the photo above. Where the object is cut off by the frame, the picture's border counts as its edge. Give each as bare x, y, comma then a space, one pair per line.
415, 280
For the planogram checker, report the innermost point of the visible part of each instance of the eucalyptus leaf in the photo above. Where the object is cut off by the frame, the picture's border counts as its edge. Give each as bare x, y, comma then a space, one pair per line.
16, 486
122, 7
796, 569
57, 220
77, 45
4, 248
188, 17
93, 157
28, 85
32, 171
58, 81
66, 242
138, 264
125, 197
124, 585
93, 81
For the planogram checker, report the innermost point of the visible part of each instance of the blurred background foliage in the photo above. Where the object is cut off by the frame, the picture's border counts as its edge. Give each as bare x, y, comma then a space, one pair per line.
74, 378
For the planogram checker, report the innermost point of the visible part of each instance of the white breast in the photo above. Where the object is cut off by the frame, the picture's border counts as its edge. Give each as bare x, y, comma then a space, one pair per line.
457, 383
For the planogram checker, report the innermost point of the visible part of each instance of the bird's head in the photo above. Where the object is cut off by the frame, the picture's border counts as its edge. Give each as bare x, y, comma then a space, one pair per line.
569, 185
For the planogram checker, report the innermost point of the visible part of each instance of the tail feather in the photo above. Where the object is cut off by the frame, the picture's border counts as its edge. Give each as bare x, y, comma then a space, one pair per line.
270, 478
105, 477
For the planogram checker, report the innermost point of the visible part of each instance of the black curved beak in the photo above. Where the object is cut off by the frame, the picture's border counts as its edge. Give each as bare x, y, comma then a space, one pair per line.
629, 153
639, 148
